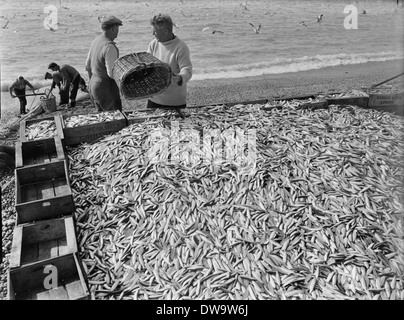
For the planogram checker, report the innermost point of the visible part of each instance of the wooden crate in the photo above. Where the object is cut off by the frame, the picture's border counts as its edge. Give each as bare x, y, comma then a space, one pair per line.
386, 100
27, 282
30, 153
42, 240
91, 132
43, 192
360, 101
25, 123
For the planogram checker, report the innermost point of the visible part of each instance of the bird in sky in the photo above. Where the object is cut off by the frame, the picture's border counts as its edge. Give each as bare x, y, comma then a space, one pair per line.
126, 17
257, 30
217, 31
6, 25
244, 5
320, 18
100, 18
204, 29
302, 23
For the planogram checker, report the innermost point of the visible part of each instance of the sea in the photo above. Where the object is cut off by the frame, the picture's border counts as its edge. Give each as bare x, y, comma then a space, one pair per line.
223, 36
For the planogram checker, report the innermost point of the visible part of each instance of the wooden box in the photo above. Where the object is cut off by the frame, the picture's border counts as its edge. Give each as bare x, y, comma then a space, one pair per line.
42, 240
90, 132
361, 100
29, 153
386, 100
42, 192
29, 282
25, 124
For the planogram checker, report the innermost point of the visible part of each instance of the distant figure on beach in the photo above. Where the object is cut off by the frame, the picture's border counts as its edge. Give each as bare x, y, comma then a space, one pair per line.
104, 92
71, 80
57, 81
168, 48
18, 87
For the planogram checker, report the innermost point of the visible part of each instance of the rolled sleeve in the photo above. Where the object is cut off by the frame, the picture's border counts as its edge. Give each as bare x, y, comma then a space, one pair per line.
111, 54
185, 65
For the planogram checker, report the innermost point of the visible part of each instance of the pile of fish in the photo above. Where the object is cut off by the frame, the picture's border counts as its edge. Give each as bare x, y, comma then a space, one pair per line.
40, 130
86, 119
151, 113
316, 212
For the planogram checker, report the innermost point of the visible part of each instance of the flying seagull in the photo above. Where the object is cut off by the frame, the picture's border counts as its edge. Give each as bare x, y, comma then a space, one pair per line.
217, 31
244, 5
204, 29
257, 30
320, 18
6, 25
302, 23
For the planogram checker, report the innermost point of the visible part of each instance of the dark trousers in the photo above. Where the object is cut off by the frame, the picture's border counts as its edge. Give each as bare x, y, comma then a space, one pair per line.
64, 97
22, 98
73, 94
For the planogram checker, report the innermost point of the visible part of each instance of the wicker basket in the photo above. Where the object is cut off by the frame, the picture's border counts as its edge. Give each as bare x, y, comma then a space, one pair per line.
141, 75
48, 103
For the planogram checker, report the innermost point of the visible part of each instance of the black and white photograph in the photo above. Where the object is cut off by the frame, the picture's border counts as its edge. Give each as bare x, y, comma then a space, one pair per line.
202, 154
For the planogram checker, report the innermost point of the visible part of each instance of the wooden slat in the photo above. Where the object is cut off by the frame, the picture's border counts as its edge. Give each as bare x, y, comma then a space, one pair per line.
23, 124
75, 290
63, 247
70, 235
18, 154
45, 190
60, 187
59, 126
10, 288
58, 293
81, 274
15, 256
60, 154
42, 295
29, 253
47, 249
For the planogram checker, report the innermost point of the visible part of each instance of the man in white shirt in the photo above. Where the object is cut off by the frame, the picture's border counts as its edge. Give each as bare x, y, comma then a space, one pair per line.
168, 48
104, 92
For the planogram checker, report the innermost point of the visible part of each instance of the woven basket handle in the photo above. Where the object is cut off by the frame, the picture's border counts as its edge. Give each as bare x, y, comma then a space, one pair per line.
135, 55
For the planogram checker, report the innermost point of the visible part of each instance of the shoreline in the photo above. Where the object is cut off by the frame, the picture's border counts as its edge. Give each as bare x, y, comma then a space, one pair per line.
342, 78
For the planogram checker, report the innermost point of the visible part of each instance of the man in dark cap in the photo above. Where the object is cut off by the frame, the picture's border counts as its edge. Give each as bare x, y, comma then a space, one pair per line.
19, 90
57, 79
71, 80
104, 91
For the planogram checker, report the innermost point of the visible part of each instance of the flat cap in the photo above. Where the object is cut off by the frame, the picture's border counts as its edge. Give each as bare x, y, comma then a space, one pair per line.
52, 65
110, 20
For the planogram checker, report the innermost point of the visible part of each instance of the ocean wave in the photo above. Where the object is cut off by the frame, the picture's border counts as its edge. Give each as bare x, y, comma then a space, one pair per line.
292, 65
280, 65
